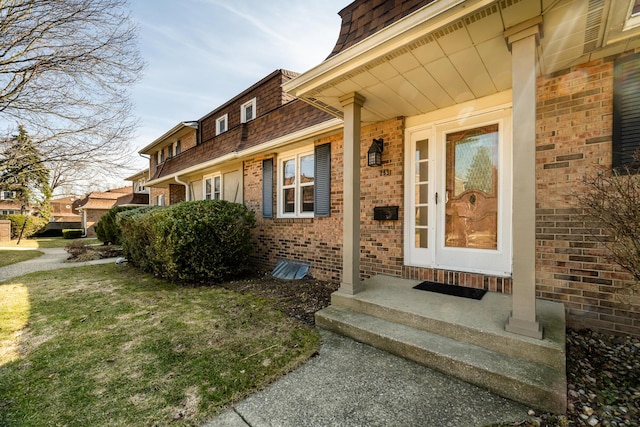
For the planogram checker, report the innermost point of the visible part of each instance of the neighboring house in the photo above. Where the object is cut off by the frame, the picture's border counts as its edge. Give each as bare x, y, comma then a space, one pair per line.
96, 204
448, 143
64, 214
163, 150
65, 209
8, 203
140, 191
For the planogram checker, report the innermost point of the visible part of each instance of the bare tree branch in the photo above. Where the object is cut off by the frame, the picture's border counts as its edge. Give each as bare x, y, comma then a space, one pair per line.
66, 68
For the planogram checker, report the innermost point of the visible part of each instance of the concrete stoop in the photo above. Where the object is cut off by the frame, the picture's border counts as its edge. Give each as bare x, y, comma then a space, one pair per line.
460, 337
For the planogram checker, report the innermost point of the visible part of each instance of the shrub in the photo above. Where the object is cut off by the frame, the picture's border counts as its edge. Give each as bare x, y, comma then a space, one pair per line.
76, 248
207, 240
611, 203
107, 230
72, 233
34, 224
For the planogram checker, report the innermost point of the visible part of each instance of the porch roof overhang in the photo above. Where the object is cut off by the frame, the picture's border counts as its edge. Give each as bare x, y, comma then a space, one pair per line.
452, 51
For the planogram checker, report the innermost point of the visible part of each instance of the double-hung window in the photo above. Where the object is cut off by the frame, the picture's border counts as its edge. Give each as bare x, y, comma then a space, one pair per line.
178, 147
221, 124
248, 111
296, 184
212, 187
303, 188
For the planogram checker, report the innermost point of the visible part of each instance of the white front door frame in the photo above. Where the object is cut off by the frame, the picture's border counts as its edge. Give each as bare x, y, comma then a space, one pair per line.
436, 254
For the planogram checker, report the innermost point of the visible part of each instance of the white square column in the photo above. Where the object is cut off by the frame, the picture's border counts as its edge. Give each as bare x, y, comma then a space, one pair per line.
351, 284
523, 40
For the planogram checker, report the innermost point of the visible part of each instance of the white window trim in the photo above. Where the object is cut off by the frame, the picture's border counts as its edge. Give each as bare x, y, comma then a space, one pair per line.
219, 120
160, 200
212, 177
283, 157
243, 110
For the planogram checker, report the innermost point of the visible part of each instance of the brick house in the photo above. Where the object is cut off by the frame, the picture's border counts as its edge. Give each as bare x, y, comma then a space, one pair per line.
98, 203
487, 115
162, 152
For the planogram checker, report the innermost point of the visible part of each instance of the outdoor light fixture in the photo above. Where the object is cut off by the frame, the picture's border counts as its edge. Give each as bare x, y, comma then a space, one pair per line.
374, 155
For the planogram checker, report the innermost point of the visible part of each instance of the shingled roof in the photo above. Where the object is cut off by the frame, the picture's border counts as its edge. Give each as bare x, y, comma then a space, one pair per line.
363, 18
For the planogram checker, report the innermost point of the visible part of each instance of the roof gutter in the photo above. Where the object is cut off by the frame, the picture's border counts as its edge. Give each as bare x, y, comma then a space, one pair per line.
328, 126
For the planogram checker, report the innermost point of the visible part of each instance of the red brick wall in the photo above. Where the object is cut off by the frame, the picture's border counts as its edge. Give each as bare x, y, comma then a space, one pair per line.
574, 131
177, 194
319, 240
153, 192
314, 240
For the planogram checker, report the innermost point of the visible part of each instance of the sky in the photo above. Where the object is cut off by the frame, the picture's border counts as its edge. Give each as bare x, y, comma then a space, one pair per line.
201, 53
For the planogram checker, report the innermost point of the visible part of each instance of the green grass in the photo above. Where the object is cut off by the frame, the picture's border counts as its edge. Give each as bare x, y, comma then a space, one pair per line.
11, 257
46, 242
107, 345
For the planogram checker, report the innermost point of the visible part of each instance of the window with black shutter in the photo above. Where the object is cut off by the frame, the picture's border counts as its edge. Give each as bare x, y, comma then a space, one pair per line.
626, 112
303, 183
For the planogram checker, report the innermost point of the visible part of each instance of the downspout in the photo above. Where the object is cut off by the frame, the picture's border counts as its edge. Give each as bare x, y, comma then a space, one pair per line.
186, 188
84, 222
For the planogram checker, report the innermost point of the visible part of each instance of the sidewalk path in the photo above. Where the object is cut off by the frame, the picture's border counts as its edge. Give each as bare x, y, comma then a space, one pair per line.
353, 384
52, 259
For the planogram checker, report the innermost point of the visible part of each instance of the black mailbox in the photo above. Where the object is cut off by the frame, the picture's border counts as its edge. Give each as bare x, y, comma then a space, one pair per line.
385, 213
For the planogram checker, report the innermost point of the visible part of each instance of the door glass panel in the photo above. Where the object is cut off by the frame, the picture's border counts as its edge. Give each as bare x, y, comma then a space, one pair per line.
421, 237
422, 216
471, 209
422, 193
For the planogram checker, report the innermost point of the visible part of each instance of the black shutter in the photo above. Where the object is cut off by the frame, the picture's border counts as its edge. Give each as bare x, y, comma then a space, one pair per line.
322, 191
267, 188
626, 111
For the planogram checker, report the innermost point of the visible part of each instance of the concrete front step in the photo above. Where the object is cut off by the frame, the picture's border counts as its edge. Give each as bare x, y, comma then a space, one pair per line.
540, 386
478, 322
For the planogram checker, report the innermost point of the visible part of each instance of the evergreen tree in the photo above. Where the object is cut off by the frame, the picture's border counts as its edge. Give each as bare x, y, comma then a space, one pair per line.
23, 171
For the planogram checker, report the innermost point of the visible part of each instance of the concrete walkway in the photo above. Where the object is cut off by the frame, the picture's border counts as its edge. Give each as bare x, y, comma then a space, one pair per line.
52, 259
353, 384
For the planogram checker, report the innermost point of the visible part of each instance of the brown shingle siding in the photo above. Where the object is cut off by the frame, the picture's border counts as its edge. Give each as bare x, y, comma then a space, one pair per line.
291, 117
363, 18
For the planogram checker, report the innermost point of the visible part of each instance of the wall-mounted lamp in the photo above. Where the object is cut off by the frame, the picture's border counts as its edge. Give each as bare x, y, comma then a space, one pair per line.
374, 155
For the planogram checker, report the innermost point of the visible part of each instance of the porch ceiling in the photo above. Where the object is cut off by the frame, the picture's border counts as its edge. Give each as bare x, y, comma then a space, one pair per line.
448, 54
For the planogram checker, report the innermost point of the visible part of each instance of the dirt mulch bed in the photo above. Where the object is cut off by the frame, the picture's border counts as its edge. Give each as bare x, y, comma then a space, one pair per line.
296, 298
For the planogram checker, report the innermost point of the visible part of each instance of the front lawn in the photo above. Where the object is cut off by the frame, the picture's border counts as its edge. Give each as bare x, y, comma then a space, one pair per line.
107, 345
8, 257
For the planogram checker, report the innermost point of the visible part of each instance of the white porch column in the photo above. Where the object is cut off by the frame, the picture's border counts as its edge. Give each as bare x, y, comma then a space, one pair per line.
523, 40
352, 104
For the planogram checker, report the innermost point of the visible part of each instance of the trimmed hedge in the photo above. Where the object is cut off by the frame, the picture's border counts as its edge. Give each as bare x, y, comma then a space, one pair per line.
34, 224
72, 233
107, 230
201, 241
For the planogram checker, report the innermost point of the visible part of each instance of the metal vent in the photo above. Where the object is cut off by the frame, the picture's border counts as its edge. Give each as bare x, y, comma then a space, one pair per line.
481, 14
592, 32
449, 29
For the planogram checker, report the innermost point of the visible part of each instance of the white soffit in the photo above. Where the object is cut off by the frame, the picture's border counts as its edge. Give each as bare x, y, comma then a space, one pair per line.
466, 58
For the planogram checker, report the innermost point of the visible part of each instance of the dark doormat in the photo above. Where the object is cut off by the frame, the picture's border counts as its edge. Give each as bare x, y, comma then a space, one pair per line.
458, 291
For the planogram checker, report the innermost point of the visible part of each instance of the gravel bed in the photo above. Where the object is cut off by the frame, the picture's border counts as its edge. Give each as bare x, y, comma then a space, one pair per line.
603, 378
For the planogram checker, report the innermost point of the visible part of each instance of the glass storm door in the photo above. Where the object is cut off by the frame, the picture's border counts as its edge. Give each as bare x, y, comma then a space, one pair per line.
459, 188
471, 188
